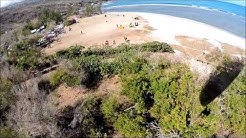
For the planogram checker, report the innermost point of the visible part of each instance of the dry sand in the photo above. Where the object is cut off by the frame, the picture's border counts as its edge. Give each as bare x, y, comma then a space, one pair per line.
98, 29
167, 27
186, 36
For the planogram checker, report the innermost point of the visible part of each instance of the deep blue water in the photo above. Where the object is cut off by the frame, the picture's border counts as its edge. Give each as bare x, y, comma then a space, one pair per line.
226, 16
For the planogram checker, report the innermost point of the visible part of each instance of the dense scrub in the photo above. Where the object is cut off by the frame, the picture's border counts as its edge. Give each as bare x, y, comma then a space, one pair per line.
164, 97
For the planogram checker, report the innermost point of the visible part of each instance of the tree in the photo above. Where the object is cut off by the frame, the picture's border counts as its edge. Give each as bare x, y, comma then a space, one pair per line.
109, 109
131, 127
6, 95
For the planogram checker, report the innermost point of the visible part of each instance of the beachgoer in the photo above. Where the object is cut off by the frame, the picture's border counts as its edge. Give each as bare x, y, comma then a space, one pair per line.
114, 42
125, 38
123, 15
106, 43
70, 29
81, 32
105, 15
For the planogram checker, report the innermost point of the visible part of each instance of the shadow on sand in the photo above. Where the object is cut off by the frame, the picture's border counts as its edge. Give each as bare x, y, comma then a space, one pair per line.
219, 81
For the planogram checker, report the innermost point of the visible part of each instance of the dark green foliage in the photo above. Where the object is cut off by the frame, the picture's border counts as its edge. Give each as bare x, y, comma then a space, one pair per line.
235, 101
91, 68
89, 10
62, 76
92, 122
71, 53
110, 68
6, 95
25, 55
110, 107
48, 15
131, 126
168, 93
27, 28
109, 51
45, 16
156, 47
6, 132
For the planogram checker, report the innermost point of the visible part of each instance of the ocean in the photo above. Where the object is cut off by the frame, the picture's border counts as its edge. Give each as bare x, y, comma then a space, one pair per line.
221, 14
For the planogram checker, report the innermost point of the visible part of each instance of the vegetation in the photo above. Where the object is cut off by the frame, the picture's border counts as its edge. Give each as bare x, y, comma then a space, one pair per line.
6, 96
110, 107
6, 132
164, 97
92, 124
46, 16
61, 76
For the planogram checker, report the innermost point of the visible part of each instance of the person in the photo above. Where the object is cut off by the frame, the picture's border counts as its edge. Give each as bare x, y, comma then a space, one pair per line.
81, 32
114, 42
117, 26
106, 43
125, 38
123, 15
70, 29
105, 15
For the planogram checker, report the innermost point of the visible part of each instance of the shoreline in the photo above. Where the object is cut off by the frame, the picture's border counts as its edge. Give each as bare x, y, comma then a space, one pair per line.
187, 36
167, 27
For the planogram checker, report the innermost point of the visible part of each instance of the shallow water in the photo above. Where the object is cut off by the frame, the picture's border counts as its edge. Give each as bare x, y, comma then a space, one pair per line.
226, 16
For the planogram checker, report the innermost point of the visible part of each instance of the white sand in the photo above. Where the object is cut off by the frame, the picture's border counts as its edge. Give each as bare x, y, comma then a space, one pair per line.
167, 27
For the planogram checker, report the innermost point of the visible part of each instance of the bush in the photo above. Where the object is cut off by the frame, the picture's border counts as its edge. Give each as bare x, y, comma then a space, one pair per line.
61, 76
92, 124
48, 15
91, 68
131, 127
6, 132
6, 96
71, 53
25, 55
156, 47
109, 108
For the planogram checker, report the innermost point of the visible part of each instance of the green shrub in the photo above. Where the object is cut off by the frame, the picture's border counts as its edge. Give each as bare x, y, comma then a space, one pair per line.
109, 108
92, 124
71, 53
6, 132
90, 66
89, 10
61, 76
109, 68
131, 127
6, 95
48, 15
25, 55
156, 47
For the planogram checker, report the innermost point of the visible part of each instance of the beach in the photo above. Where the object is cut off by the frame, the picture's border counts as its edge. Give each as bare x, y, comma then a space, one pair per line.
167, 27
186, 36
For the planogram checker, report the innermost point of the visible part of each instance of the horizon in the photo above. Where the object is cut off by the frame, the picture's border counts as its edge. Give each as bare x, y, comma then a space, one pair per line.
5, 3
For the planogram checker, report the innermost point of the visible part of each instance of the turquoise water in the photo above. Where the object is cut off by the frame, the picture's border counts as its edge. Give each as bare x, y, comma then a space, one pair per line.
210, 4
223, 15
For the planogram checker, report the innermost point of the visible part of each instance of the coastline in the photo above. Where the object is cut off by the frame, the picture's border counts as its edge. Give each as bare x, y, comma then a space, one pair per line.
184, 35
167, 27
232, 23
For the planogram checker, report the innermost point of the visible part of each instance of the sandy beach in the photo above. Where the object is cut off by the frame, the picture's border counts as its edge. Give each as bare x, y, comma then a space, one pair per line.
167, 27
187, 36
